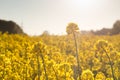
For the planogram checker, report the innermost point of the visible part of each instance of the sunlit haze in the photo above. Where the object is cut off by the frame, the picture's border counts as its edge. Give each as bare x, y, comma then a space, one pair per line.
36, 16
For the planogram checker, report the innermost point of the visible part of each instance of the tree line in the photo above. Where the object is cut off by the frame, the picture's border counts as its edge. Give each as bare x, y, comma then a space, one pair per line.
13, 28
106, 31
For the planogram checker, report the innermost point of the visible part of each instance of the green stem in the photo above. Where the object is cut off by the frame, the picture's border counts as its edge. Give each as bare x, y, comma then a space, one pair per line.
65, 71
110, 63
38, 67
77, 56
44, 66
55, 73
53, 68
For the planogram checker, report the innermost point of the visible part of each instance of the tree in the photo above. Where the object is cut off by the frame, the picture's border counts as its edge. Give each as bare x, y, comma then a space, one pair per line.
104, 31
45, 33
116, 28
10, 27
71, 28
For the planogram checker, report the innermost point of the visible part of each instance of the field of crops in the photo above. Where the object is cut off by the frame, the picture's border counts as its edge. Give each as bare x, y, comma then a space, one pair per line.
53, 57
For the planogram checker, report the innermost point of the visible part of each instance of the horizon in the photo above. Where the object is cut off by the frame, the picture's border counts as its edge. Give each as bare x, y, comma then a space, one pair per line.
37, 16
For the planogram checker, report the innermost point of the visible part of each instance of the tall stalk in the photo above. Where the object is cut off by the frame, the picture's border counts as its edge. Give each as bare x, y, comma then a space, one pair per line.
77, 56
53, 68
43, 61
111, 66
26, 66
65, 70
55, 73
38, 67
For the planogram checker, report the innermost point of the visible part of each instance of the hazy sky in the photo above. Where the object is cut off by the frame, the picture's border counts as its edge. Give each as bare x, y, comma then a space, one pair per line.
37, 16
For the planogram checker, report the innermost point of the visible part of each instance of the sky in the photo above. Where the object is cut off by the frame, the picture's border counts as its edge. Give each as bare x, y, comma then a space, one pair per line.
37, 16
